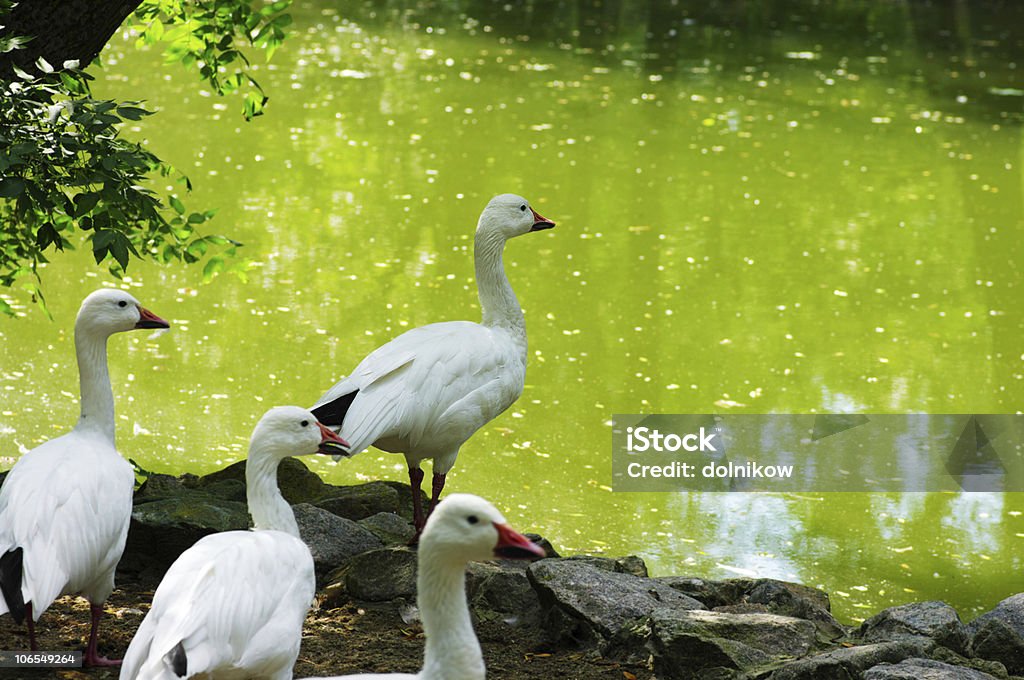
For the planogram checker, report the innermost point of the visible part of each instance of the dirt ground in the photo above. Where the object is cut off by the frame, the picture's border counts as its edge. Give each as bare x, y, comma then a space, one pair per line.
350, 639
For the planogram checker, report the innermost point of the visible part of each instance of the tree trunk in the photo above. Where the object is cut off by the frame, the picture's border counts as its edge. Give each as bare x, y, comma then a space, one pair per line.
61, 30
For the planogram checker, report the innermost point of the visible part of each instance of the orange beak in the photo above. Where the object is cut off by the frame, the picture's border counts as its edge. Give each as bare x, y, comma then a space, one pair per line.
513, 545
539, 222
148, 319
330, 443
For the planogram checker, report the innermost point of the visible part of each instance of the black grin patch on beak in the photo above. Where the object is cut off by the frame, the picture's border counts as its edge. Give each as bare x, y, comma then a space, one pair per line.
513, 552
541, 226
332, 449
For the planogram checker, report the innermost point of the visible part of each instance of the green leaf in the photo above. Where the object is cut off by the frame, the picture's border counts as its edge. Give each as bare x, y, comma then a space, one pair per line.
84, 203
212, 268
73, 178
132, 112
155, 30
37, 297
254, 103
47, 234
119, 249
71, 84
9, 44
272, 45
11, 187
197, 248
101, 241
23, 74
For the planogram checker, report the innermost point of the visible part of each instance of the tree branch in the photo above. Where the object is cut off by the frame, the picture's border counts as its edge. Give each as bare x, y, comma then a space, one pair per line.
61, 30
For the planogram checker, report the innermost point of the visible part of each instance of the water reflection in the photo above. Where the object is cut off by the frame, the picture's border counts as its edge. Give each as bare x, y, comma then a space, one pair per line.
762, 206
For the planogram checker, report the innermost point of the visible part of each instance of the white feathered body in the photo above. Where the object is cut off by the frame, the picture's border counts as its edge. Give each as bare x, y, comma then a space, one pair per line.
374, 676
427, 391
67, 504
236, 602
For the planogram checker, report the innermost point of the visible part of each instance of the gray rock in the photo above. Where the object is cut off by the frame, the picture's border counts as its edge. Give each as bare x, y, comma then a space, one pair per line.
158, 487
545, 544
782, 594
711, 593
405, 498
945, 655
997, 641
583, 603
331, 539
228, 489
631, 564
924, 669
698, 644
1010, 611
297, 482
849, 663
747, 595
501, 591
375, 576
363, 500
999, 634
390, 528
935, 620
793, 599
161, 530
740, 590
195, 510
745, 608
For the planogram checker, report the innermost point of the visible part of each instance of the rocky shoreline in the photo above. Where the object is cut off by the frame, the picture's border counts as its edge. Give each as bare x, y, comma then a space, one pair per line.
572, 617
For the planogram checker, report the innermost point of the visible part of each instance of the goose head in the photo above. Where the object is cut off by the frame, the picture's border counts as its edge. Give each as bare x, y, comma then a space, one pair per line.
108, 311
465, 528
510, 215
286, 431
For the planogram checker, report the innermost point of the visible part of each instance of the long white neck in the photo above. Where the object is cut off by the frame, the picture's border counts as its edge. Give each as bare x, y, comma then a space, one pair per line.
97, 399
267, 506
497, 301
452, 650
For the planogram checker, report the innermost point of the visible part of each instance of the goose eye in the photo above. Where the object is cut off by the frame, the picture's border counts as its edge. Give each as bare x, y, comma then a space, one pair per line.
472, 519
122, 303
305, 423
523, 207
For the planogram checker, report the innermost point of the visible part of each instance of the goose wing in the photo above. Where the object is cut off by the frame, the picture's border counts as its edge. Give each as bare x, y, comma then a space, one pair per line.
372, 676
233, 601
409, 384
67, 504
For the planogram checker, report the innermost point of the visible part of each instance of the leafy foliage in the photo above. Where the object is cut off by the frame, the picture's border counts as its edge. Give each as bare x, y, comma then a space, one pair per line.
63, 168
65, 171
207, 34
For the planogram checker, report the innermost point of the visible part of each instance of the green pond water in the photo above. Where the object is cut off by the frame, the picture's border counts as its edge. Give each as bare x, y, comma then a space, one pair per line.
761, 211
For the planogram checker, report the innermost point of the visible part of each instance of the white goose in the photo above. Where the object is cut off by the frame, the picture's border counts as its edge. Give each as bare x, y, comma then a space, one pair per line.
463, 529
427, 391
66, 504
232, 605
